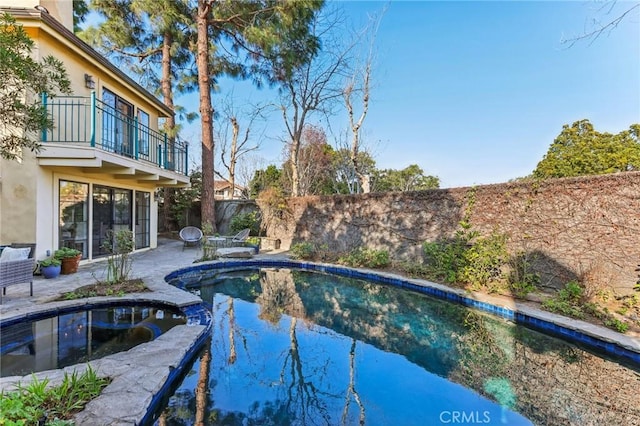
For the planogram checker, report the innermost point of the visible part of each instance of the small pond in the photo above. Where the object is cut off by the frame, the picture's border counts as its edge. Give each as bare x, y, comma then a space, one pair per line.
80, 335
294, 347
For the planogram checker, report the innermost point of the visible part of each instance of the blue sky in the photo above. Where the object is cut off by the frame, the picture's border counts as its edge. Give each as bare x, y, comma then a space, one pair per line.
475, 92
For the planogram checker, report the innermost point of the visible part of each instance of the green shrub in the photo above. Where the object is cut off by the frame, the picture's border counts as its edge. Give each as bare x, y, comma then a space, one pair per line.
30, 404
304, 250
484, 259
119, 245
444, 260
413, 269
522, 280
567, 301
254, 241
572, 292
366, 258
617, 325
467, 258
570, 301
242, 221
563, 307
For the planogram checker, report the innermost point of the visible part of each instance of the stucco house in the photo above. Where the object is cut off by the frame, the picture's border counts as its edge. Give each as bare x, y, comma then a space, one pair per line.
222, 190
100, 167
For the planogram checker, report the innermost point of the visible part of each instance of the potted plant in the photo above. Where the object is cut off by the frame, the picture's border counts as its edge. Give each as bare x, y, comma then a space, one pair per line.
253, 242
50, 267
70, 259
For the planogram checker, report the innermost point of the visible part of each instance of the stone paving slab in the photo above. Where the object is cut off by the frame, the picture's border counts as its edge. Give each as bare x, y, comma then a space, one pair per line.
236, 252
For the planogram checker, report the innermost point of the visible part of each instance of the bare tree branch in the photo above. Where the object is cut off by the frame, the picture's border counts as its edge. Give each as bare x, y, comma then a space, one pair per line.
235, 144
598, 28
313, 88
360, 82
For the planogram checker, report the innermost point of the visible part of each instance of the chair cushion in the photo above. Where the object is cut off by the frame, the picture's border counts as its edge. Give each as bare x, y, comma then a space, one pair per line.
10, 254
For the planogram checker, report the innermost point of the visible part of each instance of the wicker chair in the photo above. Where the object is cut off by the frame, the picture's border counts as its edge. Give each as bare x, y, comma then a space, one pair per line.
17, 271
190, 235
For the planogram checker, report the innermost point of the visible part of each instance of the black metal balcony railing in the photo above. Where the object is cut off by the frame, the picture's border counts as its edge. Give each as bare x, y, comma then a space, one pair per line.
80, 119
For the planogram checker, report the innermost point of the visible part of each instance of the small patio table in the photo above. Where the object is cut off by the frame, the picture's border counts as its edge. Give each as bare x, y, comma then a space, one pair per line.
217, 242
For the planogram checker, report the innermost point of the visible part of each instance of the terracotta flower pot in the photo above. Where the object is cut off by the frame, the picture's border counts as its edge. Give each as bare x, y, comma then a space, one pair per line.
70, 264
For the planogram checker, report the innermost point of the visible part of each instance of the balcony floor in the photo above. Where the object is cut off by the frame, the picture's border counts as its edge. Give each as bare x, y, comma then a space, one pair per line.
94, 161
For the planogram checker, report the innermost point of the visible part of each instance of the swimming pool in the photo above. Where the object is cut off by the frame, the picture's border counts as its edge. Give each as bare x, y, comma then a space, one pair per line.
54, 340
298, 347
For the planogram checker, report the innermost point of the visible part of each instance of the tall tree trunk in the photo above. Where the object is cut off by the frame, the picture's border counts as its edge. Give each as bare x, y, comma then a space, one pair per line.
207, 208
363, 179
295, 174
294, 160
233, 155
170, 124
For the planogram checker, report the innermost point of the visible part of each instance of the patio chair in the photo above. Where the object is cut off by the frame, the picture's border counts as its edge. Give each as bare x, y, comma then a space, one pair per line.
190, 235
237, 240
16, 267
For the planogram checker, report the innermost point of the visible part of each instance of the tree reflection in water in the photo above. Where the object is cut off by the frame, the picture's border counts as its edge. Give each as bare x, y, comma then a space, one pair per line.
299, 348
232, 332
351, 390
202, 388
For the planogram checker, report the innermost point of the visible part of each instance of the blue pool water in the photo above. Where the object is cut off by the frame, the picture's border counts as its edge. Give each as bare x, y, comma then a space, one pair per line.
79, 335
303, 348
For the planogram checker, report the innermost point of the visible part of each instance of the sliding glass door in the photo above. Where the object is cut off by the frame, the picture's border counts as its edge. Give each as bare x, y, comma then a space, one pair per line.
73, 213
112, 210
117, 124
143, 219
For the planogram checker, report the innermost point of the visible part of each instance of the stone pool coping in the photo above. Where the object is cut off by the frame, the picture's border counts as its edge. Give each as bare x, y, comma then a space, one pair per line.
576, 331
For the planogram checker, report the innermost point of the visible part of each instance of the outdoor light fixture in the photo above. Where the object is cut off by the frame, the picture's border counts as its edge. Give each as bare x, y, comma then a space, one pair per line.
88, 81
41, 8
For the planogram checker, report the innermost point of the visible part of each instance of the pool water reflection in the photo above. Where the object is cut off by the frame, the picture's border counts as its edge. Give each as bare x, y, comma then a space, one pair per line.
81, 335
294, 347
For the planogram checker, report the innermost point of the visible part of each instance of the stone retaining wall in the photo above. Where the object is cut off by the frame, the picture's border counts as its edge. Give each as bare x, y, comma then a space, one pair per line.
568, 228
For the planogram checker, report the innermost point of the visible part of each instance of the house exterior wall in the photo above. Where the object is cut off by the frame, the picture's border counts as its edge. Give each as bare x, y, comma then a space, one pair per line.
29, 192
29, 209
77, 65
18, 195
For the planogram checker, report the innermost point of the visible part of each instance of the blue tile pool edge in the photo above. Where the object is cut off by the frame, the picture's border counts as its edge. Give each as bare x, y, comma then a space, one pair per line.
572, 335
197, 312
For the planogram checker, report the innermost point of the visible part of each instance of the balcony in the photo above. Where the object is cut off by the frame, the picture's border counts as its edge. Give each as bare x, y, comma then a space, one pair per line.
96, 137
